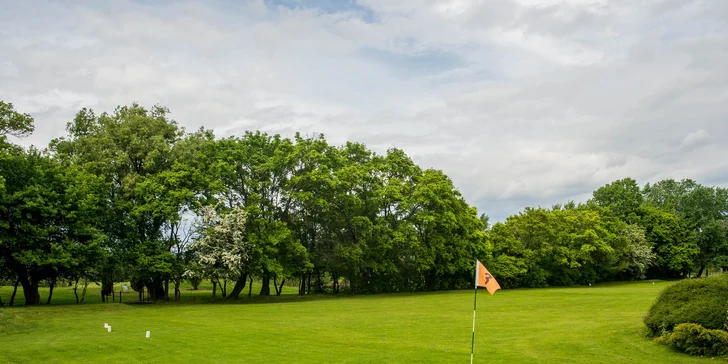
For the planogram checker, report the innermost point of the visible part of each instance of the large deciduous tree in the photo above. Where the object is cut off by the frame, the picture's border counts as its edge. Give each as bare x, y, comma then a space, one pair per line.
147, 186
46, 220
622, 197
703, 212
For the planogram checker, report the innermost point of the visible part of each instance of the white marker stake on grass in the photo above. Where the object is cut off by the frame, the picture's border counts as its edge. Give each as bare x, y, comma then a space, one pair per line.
109, 328
106, 325
148, 334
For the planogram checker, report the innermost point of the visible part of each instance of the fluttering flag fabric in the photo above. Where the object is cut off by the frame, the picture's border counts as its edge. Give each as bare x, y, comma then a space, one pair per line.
483, 278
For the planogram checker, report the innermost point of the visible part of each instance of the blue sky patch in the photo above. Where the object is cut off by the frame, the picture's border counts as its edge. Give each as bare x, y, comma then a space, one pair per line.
327, 6
432, 62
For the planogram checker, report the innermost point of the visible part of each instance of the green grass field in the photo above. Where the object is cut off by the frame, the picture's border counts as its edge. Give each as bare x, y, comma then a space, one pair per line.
601, 324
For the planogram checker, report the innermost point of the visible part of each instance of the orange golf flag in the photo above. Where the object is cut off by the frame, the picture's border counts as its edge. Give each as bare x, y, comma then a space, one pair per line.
483, 278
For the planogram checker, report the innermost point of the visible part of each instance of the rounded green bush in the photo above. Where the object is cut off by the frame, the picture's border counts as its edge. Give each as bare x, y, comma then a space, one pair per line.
697, 340
702, 301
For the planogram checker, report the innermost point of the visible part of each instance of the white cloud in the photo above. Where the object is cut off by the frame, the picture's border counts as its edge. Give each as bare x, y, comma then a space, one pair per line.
521, 102
695, 138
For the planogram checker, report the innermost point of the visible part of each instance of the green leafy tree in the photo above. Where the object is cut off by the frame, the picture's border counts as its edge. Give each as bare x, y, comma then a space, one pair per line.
585, 244
308, 216
712, 242
13, 122
622, 197
672, 242
668, 194
146, 187
702, 211
47, 229
255, 172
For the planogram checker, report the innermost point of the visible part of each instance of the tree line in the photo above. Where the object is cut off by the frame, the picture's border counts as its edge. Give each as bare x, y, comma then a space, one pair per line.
670, 229
130, 196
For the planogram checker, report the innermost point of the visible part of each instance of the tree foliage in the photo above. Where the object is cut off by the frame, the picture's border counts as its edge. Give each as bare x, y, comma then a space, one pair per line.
46, 220
115, 200
13, 122
623, 197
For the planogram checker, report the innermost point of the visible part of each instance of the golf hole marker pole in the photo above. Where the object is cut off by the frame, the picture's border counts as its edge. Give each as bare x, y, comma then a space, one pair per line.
483, 278
475, 305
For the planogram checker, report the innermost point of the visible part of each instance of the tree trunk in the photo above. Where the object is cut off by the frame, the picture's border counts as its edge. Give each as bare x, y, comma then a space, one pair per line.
75, 289
15, 290
30, 291
239, 285
50, 292
214, 288
308, 288
107, 286
224, 288
700, 272
265, 288
177, 292
279, 289
319, 282
302, 285
155, 288
83, 293
250, 286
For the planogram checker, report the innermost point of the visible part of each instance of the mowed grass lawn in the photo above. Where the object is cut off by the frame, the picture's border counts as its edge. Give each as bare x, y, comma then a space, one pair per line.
601, 324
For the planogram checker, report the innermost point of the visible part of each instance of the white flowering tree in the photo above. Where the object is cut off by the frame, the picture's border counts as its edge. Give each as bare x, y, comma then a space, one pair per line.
639, 251
223, 251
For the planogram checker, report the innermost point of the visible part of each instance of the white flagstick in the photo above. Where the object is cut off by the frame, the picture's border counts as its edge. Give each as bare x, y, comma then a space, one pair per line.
475, 302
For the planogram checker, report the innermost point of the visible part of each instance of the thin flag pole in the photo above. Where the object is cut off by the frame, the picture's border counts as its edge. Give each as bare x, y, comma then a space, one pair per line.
475, 304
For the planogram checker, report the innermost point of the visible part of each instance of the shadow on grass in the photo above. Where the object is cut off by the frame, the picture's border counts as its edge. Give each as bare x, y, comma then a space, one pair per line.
295, 298
196, 297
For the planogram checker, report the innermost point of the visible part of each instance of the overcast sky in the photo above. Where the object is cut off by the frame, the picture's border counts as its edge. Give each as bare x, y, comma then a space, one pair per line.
521, 102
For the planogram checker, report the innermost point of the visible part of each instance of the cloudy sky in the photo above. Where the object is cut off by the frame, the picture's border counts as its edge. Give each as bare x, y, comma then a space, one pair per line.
521, 102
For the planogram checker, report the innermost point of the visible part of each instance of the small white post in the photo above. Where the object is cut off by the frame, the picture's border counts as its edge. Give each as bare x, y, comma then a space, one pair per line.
148, 334
109, 328
106, 325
